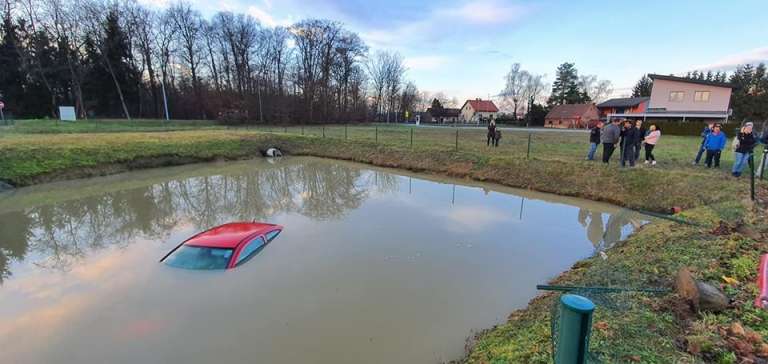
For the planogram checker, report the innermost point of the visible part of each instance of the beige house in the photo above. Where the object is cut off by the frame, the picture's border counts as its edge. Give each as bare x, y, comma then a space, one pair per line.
683, 98
478, 110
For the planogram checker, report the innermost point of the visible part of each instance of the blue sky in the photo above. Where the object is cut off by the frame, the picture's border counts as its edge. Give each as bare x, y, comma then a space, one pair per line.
464, 48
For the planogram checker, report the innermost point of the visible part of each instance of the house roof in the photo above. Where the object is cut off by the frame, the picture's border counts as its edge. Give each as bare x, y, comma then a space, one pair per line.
568, 111
623, 102
445, 112
688, 80
482, 105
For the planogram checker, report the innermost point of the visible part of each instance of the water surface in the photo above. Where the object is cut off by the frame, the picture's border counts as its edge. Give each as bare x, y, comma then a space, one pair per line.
374, 266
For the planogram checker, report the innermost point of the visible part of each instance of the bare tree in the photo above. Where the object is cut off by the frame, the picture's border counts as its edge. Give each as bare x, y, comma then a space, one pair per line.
516, 80
596, 90
188, 26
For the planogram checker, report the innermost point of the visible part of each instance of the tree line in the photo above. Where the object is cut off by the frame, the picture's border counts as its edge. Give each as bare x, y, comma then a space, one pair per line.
119, 59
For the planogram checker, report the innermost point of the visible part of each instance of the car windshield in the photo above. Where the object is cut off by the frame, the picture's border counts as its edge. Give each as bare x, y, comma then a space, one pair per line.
198, 257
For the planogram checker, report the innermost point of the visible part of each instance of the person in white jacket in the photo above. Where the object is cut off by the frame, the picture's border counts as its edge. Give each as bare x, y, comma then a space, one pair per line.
650, 141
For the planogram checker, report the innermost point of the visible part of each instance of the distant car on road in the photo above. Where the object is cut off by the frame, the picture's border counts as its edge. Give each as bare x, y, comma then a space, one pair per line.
222, 247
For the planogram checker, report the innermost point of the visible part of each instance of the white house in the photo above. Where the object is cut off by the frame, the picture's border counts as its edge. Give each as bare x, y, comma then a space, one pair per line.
478, 110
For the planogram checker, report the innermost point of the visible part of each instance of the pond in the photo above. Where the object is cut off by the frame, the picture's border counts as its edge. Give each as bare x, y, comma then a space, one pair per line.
374, 265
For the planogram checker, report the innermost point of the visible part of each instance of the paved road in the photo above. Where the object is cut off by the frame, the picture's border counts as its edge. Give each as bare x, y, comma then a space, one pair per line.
507, 128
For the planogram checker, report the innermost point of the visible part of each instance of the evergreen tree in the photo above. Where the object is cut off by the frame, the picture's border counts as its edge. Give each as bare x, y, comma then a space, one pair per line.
12, 76
565, 89
643, 87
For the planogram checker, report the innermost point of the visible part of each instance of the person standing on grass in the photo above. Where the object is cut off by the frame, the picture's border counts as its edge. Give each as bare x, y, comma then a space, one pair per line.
641, 135
631, 139
704, 134
713, 146
491, 133
650, 141
747, 142
594, 140
609, 137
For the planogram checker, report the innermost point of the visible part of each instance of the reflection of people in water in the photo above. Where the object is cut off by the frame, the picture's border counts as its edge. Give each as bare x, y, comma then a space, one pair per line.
604, 238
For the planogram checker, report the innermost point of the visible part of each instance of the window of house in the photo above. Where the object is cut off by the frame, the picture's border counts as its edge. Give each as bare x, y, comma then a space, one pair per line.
701, 96
676, 96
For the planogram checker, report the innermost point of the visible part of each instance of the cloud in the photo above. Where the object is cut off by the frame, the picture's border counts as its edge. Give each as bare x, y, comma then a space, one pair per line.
756, 55
486, 12
265, 18
425, 63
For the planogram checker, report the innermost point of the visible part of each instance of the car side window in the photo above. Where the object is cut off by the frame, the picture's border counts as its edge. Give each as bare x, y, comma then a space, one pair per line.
249, 250
272, 235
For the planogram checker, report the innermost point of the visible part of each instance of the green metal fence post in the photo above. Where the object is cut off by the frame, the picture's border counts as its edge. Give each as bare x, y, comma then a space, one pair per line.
752, 176
457, 139
574, 329
528, 156
323, 131
411, 137
376, 136
345, 131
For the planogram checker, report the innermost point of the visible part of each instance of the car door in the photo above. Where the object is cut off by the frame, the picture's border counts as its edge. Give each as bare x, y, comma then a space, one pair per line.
250, 249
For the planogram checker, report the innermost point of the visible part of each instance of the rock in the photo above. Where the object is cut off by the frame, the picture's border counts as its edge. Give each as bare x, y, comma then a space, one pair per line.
686, 287
700, 295
5, 187
711, 298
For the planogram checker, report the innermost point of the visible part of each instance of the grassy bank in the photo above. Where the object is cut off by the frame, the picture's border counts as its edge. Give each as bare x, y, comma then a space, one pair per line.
652, 329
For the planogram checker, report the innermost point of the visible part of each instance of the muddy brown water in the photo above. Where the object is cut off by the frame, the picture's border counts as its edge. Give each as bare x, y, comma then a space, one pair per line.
374, 266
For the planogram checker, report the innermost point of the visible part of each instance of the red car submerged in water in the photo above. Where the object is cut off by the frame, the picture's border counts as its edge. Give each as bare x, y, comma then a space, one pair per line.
222, 247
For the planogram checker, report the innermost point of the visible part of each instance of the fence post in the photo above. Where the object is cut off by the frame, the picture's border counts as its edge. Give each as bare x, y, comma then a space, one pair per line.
323, 131
345, 131
376, 136
457, 139
411, 138
528, 156
763, 164
752, 176
574, 329
302, 130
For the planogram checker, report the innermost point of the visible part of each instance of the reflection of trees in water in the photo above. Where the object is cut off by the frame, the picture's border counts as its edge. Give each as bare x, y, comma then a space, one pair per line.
63, 232
604, 238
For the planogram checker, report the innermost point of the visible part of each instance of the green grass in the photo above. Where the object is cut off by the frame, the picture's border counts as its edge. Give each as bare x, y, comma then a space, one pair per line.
649, 330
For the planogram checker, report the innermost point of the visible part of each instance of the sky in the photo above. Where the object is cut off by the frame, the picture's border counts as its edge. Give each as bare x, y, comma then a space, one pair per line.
464, 48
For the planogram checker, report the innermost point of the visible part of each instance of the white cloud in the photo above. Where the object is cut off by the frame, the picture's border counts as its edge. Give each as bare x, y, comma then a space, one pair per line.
425, 63
266, 18
729, 62
486, 12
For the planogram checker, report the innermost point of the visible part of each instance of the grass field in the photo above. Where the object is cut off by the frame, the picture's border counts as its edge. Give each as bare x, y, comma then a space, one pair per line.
726, 242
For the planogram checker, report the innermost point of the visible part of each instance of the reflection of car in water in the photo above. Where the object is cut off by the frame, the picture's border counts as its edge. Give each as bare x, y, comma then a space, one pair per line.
223, 247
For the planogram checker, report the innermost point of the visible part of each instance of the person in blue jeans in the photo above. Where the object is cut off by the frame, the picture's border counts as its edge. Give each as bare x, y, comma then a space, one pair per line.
704, 134
747, 142
594, 140
714, 145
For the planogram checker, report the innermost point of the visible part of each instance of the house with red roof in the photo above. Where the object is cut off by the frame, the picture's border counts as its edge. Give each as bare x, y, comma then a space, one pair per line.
570, 116
478, 110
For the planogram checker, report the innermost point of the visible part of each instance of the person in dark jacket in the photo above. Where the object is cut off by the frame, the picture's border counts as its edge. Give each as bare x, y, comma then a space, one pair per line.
704, 134
491, 134
594, 140
639, 145
609, 137
747, 143
714, 145
632, 138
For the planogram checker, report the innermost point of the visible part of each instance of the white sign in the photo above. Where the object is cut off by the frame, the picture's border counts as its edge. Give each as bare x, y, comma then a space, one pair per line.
67, 113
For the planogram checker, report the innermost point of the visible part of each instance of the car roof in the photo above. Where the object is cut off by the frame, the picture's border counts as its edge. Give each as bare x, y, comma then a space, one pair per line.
230, 235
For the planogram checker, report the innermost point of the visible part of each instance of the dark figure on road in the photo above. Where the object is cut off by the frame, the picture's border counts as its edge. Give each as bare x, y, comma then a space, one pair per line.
704, 134
609, 137
491, 133
714, 146
632, 140
594, 140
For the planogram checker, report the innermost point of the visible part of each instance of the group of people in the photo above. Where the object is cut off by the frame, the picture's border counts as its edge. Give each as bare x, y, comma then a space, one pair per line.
714, 140
629, 137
